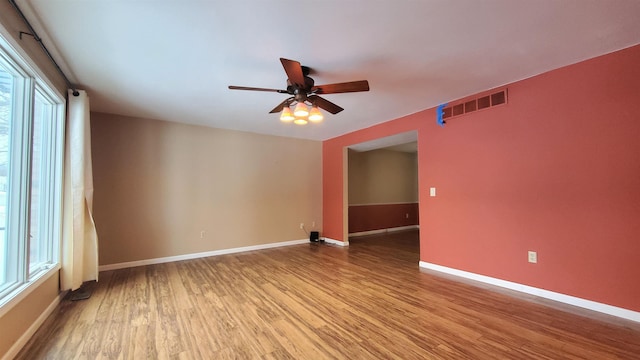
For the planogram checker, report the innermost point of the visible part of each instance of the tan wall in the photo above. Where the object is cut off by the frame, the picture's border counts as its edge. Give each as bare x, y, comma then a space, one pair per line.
382, 177
159, 184
11, 21
16, 321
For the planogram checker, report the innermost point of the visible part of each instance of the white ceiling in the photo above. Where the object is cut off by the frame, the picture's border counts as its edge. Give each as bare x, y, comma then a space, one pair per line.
173, 60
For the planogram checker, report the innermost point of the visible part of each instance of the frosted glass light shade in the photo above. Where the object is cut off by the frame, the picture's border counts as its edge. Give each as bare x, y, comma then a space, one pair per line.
300, 121
286, 115
301, 110
315, 115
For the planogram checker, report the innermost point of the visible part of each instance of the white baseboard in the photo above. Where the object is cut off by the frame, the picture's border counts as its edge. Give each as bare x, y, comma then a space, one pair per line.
335, 242
567, 299
22, 341
382, 231
167, 259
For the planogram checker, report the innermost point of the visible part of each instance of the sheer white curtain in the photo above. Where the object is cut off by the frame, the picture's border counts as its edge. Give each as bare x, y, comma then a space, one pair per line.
79, 237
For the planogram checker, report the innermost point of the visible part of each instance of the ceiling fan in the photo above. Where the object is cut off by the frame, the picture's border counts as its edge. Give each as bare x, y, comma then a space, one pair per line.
304, 92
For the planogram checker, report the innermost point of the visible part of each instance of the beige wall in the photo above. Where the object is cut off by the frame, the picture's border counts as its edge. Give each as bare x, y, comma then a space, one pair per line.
14, 25
382, 177
159, 184
16, 321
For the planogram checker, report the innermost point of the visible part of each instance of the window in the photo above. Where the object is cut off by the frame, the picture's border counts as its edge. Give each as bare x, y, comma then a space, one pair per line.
45, 181
6, 85
31, 149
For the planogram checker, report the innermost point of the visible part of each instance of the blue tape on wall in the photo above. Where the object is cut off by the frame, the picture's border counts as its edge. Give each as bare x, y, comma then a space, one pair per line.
439, 114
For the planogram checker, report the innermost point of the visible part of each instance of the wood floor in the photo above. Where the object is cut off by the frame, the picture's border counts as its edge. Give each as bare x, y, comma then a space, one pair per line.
318, 301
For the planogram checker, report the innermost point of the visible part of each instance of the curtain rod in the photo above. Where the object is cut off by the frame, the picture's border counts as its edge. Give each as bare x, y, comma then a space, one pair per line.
44, 48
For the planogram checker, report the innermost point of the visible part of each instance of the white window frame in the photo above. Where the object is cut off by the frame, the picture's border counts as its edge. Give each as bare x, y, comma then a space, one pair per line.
19, 154
25, 280
53, 169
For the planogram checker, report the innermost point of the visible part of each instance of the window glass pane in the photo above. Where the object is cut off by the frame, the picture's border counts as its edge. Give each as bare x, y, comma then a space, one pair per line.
38, 254
6, 100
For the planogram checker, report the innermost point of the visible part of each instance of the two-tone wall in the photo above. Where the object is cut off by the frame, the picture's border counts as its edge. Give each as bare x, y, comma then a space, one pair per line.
556, 170
165, 189
383, 190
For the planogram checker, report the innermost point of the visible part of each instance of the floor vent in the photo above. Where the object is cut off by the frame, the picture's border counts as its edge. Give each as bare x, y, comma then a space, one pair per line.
461, 107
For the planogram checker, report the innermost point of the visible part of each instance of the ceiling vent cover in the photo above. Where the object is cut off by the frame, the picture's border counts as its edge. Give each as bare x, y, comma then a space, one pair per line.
461, 107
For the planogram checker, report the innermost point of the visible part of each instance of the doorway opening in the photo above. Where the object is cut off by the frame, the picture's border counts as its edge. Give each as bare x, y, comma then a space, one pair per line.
382, 191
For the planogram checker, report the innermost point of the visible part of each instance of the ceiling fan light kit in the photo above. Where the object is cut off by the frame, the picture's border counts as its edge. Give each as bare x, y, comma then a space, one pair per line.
287, 115
315, 115
301, 116
301, 110
303, 92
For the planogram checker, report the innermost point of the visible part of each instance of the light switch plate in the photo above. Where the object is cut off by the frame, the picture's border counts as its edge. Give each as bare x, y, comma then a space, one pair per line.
432, 191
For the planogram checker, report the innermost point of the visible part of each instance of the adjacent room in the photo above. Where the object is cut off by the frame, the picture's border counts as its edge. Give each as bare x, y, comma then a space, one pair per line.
328, 180
383, 185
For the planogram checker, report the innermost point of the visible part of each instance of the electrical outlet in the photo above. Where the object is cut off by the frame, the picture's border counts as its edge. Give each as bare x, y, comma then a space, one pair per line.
406, 216
533, 257
313, 224
202, 234
302, 226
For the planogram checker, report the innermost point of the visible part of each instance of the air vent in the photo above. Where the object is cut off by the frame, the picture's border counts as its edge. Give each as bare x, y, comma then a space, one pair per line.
498, 98
470, 106
461, 107
458, 109
484, 102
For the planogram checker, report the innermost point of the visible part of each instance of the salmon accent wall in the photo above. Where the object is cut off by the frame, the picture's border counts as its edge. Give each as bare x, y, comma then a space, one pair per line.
556, 170
382, 216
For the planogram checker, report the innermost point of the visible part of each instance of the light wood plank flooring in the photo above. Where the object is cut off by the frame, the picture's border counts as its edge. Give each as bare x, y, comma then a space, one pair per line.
318, 301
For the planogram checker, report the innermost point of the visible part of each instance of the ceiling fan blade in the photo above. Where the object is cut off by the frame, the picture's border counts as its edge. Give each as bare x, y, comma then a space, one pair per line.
232, 87
325, 104
352, 86
294, 72
281, 105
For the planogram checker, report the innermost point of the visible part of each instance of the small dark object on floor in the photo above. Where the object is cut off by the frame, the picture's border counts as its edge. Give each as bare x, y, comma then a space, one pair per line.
314, 236
80, 294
